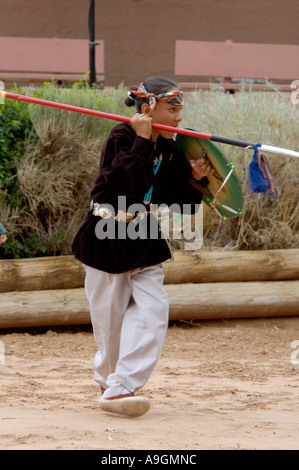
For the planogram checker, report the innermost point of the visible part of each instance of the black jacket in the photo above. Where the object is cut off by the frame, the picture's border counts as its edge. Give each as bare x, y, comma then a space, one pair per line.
126, 173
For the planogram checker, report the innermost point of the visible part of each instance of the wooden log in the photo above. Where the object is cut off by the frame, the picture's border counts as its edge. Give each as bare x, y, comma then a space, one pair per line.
208, 301
230, 266
50, 272
65, 272
44, 308
226, 300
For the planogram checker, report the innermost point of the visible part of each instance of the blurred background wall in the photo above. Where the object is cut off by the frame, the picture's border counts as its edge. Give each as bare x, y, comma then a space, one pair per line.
140, 35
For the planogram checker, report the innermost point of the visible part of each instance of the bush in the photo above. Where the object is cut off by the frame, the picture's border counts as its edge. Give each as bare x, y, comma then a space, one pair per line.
49, 160
15, 128
261, 117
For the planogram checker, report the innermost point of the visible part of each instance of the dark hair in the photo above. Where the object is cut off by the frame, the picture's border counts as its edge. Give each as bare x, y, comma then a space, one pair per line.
154, 85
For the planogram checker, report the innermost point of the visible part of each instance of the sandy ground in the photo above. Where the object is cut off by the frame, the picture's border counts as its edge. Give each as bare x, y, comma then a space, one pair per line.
219, 385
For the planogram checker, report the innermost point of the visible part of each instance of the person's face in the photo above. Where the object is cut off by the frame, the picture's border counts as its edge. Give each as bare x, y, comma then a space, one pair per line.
166, 114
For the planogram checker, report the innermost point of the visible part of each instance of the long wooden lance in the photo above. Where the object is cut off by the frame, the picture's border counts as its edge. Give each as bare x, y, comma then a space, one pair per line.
176, 130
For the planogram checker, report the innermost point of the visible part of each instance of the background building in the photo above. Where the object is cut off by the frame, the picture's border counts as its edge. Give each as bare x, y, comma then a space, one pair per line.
140, 35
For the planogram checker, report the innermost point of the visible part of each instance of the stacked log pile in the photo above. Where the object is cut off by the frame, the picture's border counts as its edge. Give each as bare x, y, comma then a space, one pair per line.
208, 285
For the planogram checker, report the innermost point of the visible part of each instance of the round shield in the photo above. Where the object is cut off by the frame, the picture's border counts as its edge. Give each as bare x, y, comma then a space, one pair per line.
223, 193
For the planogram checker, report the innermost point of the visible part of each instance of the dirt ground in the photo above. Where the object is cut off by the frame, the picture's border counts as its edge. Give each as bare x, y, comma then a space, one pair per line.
222, 385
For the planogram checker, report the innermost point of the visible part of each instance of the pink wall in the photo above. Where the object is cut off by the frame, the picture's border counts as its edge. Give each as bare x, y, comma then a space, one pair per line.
140, 34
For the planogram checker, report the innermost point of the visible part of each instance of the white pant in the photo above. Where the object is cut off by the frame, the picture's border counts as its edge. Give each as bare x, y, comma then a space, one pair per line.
129, 314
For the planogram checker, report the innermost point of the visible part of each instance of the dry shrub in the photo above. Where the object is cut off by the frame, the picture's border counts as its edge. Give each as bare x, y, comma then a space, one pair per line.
57, 172
263, 117
56, 176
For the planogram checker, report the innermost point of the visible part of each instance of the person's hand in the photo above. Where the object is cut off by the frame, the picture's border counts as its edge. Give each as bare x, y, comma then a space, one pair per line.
3, 238
201, 167
142, 125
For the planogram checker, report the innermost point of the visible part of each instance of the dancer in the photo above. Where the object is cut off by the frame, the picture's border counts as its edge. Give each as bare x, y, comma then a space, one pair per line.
121, 245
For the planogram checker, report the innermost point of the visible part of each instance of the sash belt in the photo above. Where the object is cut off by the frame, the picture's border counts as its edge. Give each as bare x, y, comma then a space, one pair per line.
101, 210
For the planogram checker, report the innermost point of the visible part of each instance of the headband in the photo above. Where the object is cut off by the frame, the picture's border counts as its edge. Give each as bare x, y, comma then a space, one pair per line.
171, 97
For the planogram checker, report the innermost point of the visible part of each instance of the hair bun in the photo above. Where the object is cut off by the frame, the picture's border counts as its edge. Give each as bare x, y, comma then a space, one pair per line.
131, 99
